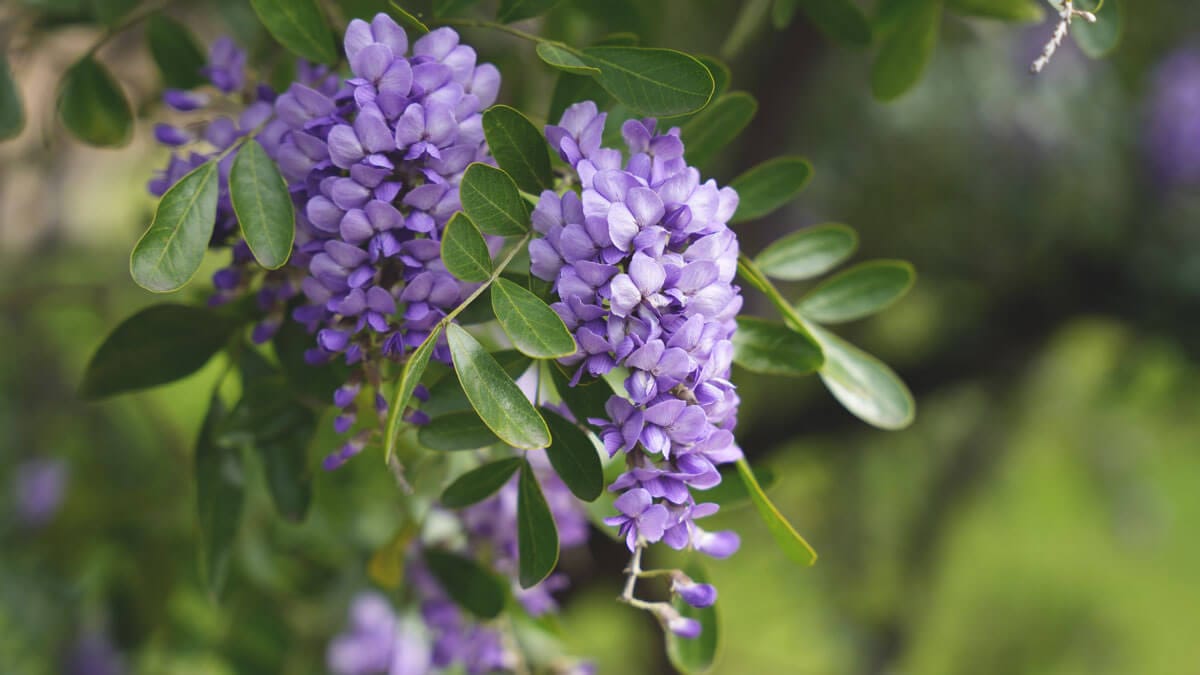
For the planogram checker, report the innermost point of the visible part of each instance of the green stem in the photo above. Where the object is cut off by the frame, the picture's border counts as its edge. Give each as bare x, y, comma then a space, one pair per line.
480, 23
484, 286
750, 272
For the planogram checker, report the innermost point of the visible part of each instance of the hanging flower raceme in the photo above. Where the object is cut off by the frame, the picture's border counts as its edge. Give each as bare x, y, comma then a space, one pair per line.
643, 264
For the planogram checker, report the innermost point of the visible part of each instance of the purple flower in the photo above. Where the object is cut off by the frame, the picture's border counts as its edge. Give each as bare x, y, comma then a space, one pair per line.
377, 641
38, 489
1173, 125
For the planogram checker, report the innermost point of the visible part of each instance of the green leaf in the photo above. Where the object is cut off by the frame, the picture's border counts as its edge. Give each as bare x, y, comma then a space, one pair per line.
1006, 10
907, 48
468, 584
840, 20
492, 200
12, 111
519, 148
170, 252
574, 457
493, 394
808, 253
263, 205
770, 348
410, 376
92, 106
178, 57
782, 13
315, 383
534, 328
769, 186
537, 536
792, 544
220, 490
519, 10
159, 344
720, 73
405, 17
731, 491
695, 655
480, 483
464, 251
651, 81
860, 291
863, 384
447, 395
299, 26
559, 56
461, 430
110, 12
444, 8
586, 399
1100, 38
706, 134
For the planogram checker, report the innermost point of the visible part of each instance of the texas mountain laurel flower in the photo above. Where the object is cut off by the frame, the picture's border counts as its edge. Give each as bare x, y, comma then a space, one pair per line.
642, 262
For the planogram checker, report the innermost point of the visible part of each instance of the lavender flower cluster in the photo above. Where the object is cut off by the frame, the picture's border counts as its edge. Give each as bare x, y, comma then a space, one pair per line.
643, 262
1173, 129
438, 634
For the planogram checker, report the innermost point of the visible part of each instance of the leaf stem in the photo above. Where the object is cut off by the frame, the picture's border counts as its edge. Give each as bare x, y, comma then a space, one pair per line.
480, 23
750, 272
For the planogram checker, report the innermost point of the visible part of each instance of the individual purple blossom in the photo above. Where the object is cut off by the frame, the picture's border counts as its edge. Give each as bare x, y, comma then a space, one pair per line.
1173, 122
39, 486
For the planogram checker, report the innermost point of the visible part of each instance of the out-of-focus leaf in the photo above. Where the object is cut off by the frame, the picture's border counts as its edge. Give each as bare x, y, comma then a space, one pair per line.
410, 376
461, 430
695, 656
92, 106
176, 53
519, 10
12, 111
386, 566
537, 536
651, 81
534, 328
1100, 38
110, 12
316, 383
841, 20
770, 348
706, 134
220, 489
159, 344
558, 56
782, 13
731, 491
1007, 10
907, 47
444, 8
586, 399
793, 545
493, 394
492, 200
574, 457
464, 251
808, 253
518, 147
860, 291
171, 250
300, 26
769, 186
263, 205
480, 483
468, 584
863, 384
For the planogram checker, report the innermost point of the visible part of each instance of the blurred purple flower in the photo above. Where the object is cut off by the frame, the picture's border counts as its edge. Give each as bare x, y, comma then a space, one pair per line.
39, 486
1173, 124
93, 653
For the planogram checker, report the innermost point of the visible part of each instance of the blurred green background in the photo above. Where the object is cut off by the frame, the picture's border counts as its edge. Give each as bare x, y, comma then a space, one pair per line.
1033, 520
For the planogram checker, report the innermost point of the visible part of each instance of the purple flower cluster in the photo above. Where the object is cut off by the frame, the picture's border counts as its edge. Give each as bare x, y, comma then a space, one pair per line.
643, 264
375, 170
1173, 130
437, 634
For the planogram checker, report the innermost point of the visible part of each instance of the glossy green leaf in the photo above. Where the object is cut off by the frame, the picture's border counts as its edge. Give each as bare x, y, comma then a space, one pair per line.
907, 48
170, 252
519, 148
534, 328
720, 73
464, 251
808, 253
480, 483
771, 348
706, 134
559, 56
176, 53
694, 656
492, 200
1100, 38
1007, 10
220, 491
300, 26
159, 344
731, 491
793, 545
840, 20
574, 457
769, 186
410, 377
263, 205
493, 394
12, 111
92, 106
587, 398
859, 291
468, 583
863, 384
461, 430
447, 395
537, 536
519, 10
651, 81
406, 18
